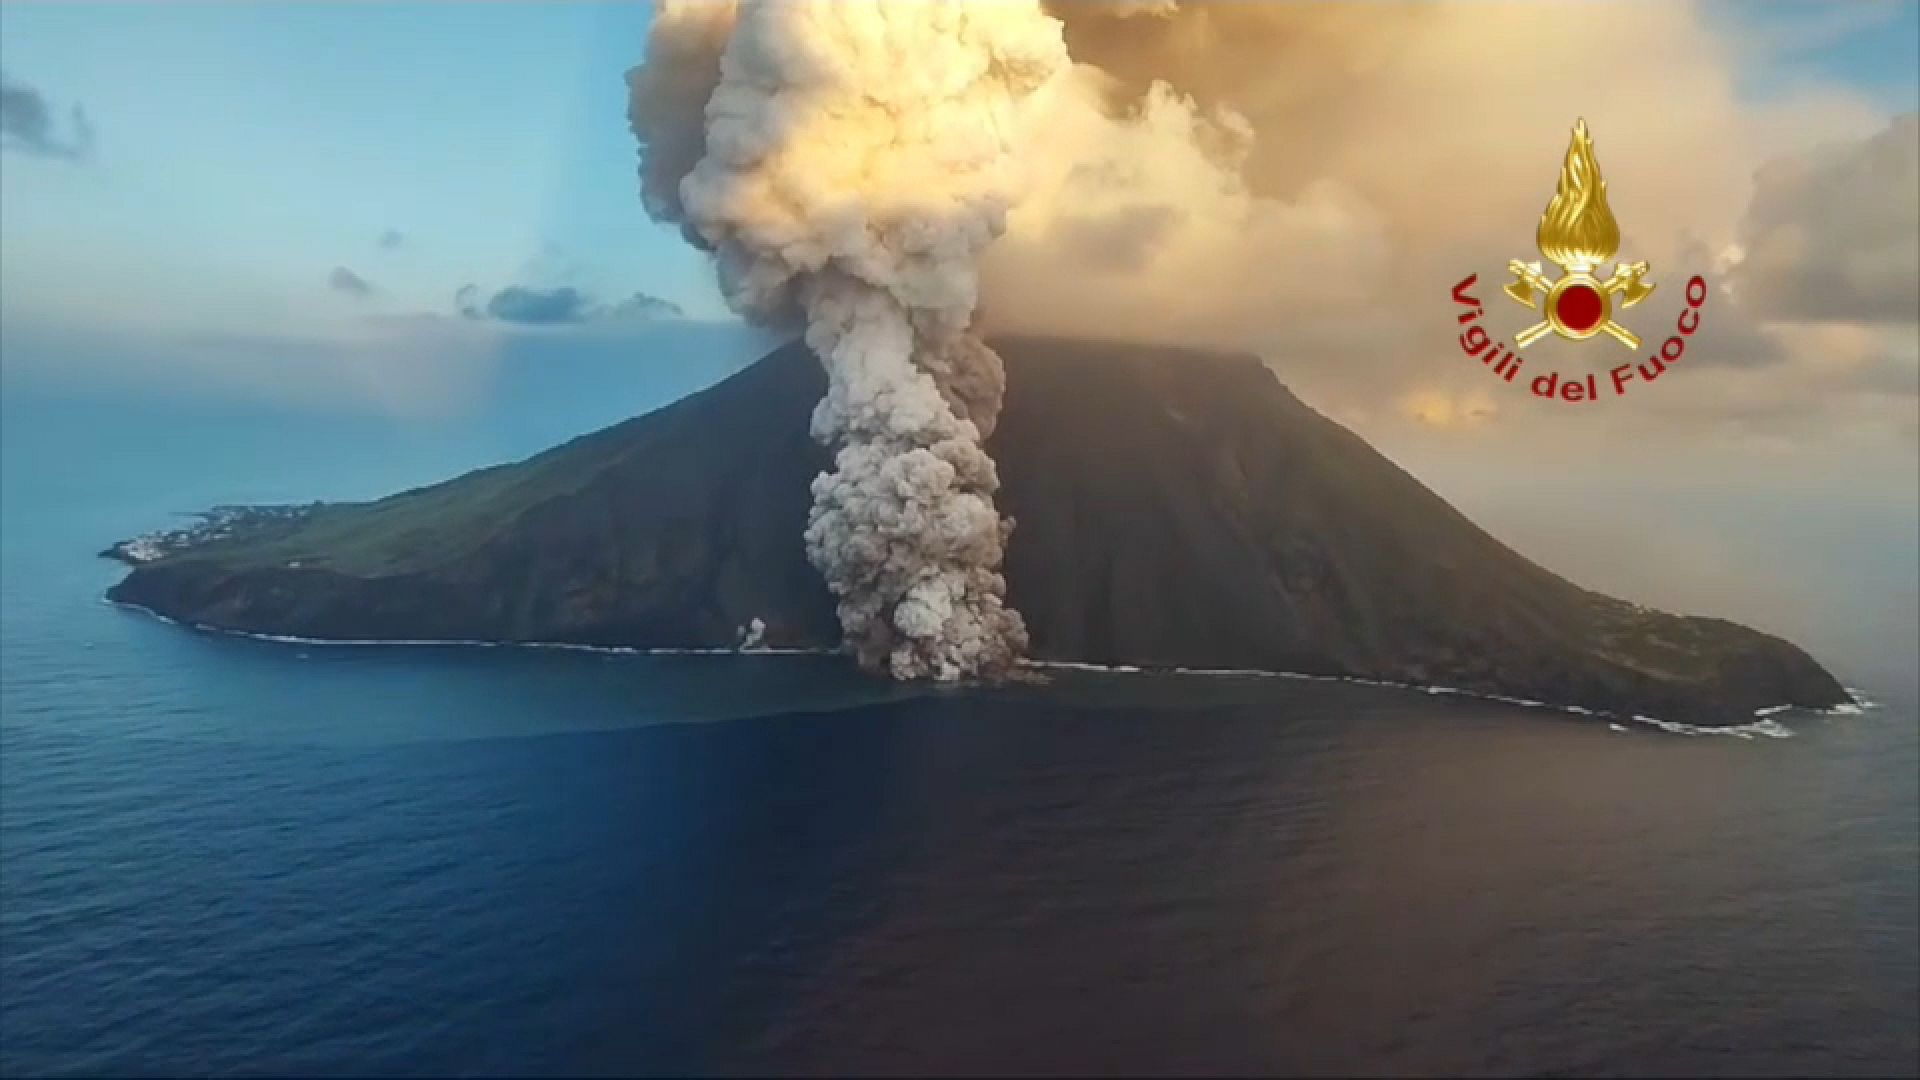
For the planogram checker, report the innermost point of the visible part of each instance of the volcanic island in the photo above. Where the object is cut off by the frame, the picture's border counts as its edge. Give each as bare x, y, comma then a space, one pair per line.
1174, 508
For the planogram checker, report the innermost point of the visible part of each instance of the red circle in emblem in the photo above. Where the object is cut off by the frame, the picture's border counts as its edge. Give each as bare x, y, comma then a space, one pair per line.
1580, 308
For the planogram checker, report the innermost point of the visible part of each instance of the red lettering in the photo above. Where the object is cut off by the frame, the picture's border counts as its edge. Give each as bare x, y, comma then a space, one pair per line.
1460, 291
1504, 362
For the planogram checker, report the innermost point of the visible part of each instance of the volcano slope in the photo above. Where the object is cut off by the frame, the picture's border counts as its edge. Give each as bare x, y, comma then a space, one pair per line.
1175, 509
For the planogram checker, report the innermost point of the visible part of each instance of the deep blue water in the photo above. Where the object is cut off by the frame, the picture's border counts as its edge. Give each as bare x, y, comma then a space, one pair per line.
220, 855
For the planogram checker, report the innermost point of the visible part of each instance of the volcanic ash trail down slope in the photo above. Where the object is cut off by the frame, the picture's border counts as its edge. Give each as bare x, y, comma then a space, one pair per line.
849, 164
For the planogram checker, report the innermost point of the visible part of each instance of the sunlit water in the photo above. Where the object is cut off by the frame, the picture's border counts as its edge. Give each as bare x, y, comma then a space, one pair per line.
221, 855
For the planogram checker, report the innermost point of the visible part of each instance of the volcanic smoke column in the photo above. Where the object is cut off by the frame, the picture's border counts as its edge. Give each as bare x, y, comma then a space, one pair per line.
850, 162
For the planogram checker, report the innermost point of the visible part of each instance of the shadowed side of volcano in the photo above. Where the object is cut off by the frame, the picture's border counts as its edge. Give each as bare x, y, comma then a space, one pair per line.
1174, 508
672, 529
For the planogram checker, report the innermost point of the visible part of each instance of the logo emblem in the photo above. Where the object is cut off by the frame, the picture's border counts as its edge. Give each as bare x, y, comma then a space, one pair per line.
1578, 232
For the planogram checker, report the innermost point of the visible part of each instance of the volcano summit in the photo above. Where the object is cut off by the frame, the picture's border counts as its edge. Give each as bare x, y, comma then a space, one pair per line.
1174, 509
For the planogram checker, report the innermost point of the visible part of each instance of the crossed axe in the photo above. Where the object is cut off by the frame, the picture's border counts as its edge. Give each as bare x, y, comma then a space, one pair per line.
1625, 280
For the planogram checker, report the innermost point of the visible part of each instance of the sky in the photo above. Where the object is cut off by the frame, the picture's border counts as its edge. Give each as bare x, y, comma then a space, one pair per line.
348, 203
242, 153
1788, 43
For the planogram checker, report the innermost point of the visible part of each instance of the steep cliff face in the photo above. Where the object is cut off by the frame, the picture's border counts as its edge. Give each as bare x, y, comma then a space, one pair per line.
1174, 509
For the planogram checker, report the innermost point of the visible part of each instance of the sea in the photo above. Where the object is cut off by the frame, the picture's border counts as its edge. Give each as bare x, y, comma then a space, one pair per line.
221, 855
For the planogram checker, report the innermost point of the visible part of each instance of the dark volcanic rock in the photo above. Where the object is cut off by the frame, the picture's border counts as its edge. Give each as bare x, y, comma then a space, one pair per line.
1174, 509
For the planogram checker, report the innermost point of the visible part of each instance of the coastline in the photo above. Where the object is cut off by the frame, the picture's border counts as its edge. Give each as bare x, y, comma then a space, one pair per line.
1764, 724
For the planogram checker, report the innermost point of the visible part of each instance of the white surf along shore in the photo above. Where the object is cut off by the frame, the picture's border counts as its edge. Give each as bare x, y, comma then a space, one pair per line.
1764, 724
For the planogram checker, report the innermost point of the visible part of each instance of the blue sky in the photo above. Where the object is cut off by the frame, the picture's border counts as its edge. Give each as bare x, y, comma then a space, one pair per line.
1868, 45
245, 150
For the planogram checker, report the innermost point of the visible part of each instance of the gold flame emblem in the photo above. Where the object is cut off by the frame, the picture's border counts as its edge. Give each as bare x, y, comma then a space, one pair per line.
1578, 232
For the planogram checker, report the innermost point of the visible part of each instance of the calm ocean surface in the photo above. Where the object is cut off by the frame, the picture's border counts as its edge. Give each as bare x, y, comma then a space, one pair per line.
220, 855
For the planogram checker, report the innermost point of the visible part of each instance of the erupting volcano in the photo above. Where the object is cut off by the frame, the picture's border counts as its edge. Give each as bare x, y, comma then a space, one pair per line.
847, 165
1176, 509
852, 162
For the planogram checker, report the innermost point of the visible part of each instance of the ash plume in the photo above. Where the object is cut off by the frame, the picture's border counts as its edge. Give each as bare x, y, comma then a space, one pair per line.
1267, 177
847, 163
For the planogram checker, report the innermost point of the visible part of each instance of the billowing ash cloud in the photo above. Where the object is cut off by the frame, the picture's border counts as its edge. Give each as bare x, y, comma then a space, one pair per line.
1284, 177
848, 163
668, 95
